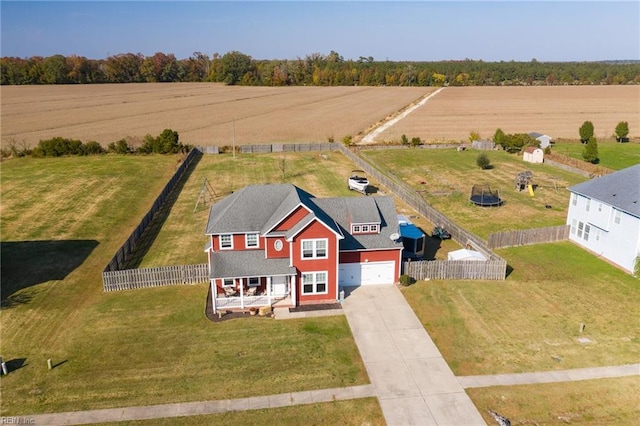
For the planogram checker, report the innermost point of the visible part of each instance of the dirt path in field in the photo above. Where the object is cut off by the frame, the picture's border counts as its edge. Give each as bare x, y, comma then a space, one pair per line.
370, 137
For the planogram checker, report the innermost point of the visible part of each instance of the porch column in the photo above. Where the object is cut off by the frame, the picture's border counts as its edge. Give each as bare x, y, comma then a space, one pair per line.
269, 290
242, 293
214, 295
292, 289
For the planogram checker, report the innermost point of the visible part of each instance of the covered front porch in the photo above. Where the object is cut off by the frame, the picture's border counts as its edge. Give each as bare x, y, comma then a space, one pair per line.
244, 280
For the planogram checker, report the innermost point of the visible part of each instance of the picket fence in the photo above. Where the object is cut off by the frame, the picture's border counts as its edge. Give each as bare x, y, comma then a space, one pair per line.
523, 237
129, 279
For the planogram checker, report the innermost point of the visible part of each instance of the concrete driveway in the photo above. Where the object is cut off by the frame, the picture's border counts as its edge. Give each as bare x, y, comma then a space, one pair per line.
412, 381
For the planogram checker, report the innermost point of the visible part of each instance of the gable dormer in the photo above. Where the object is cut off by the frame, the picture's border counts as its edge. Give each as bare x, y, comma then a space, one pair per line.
364, 216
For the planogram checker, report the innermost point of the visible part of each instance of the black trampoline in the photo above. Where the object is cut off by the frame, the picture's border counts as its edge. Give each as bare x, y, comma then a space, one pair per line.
481, 195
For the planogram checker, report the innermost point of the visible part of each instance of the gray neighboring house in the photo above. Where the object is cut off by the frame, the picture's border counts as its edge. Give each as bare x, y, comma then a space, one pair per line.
604, 215
545, 140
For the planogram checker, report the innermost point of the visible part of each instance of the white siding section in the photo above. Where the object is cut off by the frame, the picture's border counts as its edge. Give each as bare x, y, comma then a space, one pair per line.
617, 242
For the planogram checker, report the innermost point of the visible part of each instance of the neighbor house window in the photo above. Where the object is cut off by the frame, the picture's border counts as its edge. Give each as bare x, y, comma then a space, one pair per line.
226, 241
600, 207
574, 199
588, 204
597, 234
251, 240
373, 228
574, 225
227, 282
314, 249
587, 228
254, 282
617, 215
314, 282
356, 229
580, 229
364, 229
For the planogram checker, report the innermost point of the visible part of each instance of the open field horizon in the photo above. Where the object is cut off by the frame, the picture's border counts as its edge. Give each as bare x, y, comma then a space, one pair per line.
209, 114
557, 111
204, 114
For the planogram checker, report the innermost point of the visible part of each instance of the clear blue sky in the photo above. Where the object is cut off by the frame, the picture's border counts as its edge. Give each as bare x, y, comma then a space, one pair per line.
412, 31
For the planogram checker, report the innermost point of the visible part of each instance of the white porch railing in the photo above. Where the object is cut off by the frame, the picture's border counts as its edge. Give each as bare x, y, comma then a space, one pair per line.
247, 301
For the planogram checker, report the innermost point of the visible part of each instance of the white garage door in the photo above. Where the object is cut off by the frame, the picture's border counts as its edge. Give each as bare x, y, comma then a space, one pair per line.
371, 273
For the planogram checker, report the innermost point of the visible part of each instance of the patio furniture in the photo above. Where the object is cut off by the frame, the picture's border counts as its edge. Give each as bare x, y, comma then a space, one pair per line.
251, 291
230, 291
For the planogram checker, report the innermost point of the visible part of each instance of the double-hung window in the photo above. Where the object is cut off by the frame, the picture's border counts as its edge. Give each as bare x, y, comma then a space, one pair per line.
226, 241
228, 282
314, 249
254, 282
617, 215
314, 282
251, 240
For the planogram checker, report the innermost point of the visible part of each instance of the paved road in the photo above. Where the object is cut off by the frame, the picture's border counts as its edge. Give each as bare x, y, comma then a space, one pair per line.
412, 381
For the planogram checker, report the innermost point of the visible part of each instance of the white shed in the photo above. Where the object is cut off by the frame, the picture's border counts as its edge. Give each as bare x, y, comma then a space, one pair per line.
466, 254
533, 154
545, 140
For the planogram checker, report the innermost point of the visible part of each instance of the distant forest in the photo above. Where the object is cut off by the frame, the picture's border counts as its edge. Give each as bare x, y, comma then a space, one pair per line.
236, 68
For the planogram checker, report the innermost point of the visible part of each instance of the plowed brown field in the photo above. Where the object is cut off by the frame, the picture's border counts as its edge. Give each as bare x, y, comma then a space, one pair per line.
202, 113
557, 111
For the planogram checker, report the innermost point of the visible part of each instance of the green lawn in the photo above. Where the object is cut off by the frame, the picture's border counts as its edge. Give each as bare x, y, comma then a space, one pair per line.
613, 155
445, 177
531, 321
590, 402
181, 238
137, 347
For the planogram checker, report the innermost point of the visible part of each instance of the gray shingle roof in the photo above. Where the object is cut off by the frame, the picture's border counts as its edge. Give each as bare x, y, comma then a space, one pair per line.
620, 189
248, 263
383, 207
259, 208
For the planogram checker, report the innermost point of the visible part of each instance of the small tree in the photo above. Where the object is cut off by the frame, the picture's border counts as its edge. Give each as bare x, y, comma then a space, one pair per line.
474, 135
347, 140
483, 161
404, 140
498, 136
622, 131
590, 152
416, 141
586, 131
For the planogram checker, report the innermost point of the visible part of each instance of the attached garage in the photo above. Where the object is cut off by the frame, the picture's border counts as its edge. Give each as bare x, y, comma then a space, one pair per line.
368, 273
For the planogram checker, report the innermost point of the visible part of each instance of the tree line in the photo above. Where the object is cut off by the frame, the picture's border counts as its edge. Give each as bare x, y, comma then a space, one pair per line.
236, 68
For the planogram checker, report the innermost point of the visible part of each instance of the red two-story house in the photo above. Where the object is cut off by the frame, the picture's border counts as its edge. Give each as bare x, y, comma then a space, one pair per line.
276, 244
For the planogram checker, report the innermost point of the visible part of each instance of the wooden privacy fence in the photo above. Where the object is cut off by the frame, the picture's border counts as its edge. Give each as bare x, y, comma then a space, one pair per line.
129, 279
525, 237
289, 147
120, 258
456, 269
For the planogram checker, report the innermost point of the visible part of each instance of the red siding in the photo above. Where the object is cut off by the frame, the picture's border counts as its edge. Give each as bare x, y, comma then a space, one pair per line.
272, 253
330, 264
296, 216
239, 243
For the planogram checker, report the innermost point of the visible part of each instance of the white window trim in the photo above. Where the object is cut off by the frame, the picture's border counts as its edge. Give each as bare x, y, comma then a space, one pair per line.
356, 229
314, 254
587, 230
315, 282
226, 248
617, 216
574, 199
253, 285
588, 205
371, 228
246, 240
224, 282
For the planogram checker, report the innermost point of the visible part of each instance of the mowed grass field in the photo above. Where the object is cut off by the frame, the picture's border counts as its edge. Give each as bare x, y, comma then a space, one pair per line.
612, 155
204, 114
62, 220
445, 178
557, 111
